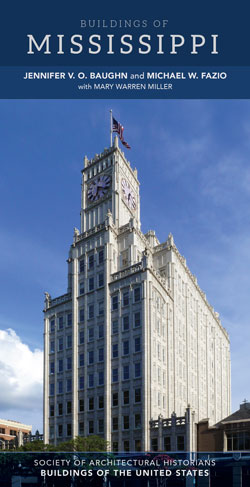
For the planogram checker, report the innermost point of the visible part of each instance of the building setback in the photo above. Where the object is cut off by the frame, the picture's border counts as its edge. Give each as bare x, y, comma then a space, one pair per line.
134, 337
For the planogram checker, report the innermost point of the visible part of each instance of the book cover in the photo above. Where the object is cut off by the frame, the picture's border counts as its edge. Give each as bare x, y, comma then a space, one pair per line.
124, 331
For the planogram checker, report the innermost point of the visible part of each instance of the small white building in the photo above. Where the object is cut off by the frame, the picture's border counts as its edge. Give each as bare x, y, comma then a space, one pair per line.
134, 336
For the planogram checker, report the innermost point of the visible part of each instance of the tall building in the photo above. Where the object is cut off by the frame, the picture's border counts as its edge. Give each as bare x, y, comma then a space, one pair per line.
134, 337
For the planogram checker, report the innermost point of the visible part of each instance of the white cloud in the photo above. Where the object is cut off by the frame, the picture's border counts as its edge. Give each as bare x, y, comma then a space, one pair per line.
21, 379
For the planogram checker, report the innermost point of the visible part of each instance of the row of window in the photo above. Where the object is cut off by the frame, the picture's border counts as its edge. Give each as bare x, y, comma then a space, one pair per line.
67, 386
100, 402
126, 372
60, 322
167, 443
91, 261
100, 329
125, 298
126, 347
60, 343
91, 307
126, 322
115, 426
91, 283
91, 355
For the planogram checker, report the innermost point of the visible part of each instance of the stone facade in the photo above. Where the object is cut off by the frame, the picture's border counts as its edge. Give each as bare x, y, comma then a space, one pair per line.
134, 336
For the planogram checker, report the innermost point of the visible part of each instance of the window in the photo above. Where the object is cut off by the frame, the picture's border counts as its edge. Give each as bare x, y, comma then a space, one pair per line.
100, 402
115, 399
81, 382
125, 347
81, 315
100, 257
167, 443
137, 420
60, 430
69, 407
137, 319
51, 413
91, 357
81, 360
81, 428
69, 363
125, 323
91, 334
137, 369
52, 389
69, 319
101, 426
69, 429
180, 443
60, 323
137, 294
137, 445
60, 344
137, 344
52, 326
125, 397
91, 284
125, 372
81, 405
100, 279
126, 422
115, 423
125, 298
100, 331
91, 380
91, 427
81, 337
114, 375
69, 341
115, 446
114, 327
126, 445
114, 303
101, 308
52, 346
238, 441
81, 288
60, 408
69, 385
100, 355
60, 365
100, 378
51, 432
137, 395
81, 265
154, 444
60, 386
91, 311
91, 403
115, 350
91, 261
52, 367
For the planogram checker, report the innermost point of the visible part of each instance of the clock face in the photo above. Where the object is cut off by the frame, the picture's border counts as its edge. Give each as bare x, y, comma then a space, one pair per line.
128, 194
99, 187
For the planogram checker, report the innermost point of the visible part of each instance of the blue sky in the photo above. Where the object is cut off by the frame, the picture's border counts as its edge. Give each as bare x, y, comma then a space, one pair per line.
193, 165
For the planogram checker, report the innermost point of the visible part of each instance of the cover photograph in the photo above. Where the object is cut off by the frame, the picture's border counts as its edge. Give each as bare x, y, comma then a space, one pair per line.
124, 256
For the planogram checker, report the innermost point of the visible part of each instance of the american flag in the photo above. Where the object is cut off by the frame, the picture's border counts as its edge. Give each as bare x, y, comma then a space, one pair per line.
117, 127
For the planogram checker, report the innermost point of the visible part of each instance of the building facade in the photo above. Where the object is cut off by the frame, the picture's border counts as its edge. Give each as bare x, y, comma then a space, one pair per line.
13, 433
134, 336
230, 434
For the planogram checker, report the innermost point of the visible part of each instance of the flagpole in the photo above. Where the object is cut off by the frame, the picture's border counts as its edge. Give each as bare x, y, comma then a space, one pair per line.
111, 128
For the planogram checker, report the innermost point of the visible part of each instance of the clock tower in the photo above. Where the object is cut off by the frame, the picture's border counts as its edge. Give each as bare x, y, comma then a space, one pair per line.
109, 184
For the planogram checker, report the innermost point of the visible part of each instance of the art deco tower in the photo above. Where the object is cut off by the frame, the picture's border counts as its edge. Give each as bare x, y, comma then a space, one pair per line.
134, 337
